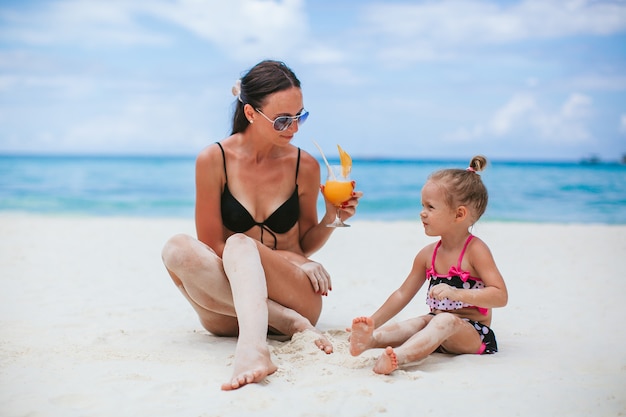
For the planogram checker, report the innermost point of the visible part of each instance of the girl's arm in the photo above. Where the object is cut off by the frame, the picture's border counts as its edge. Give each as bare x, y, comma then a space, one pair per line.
405, 293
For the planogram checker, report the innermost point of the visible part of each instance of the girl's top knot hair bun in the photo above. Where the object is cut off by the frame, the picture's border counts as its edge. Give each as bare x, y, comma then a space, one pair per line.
477, 164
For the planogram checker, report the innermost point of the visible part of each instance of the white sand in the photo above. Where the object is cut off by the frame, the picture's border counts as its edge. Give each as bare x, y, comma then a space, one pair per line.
91, 325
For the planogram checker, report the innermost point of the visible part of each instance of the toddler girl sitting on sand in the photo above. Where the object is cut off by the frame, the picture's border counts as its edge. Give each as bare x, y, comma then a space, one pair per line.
465, 283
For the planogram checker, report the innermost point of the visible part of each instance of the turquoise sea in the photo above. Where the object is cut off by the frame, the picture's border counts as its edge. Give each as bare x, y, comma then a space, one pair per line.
164, 186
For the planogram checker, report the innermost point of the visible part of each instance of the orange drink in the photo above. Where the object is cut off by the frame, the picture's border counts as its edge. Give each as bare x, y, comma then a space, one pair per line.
338, 188
337, 192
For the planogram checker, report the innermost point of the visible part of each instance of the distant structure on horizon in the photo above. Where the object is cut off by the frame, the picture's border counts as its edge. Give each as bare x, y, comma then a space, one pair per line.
595, 159
591, 160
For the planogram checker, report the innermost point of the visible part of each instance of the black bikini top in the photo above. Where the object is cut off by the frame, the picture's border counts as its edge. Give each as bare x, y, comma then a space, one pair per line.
238, 219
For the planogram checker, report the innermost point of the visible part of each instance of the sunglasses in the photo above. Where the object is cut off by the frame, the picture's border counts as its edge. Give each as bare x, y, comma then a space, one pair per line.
283, 122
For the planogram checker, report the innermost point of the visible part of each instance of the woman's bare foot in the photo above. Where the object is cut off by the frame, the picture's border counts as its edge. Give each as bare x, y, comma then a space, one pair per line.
322, 342
387, 363
290, 322
252, 364
362, 335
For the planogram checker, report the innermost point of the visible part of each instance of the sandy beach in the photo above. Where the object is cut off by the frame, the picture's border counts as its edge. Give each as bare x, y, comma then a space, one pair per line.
91, 325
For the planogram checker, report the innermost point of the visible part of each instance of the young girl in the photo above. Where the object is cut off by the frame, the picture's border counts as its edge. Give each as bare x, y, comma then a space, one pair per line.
465, 283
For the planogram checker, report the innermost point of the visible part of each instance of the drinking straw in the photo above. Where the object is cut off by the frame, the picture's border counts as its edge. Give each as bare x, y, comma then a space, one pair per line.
330, 171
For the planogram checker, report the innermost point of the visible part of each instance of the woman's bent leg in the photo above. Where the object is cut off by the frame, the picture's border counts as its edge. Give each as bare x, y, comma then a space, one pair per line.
244, 270
198, 272
296, 307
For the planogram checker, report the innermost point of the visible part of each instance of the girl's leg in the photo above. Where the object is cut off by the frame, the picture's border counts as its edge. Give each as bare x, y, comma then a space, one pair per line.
451, 332
364, 336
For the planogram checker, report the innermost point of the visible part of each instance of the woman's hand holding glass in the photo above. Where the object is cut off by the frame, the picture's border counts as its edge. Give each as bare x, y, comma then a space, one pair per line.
339, 191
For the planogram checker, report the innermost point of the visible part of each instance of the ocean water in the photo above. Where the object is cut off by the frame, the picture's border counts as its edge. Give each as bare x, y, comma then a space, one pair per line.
164, 187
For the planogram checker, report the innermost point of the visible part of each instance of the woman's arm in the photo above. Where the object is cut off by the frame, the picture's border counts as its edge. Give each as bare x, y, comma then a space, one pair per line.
209, 180
313, 235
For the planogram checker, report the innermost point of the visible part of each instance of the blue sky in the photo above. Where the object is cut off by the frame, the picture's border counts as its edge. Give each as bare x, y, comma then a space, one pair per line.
534, 79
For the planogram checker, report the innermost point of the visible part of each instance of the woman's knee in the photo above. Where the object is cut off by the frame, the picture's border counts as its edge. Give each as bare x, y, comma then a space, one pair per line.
238, 239
175, 252
236, 244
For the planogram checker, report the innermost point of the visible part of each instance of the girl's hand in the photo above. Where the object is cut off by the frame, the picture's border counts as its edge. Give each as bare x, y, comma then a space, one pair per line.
442, 291
319, 277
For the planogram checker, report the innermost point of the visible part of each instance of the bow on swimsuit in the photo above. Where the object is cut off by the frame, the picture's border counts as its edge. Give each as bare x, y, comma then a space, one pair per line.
238, 219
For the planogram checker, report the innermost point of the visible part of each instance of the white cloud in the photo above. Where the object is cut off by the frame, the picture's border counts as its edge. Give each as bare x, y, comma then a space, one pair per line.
147, 124
523, 114
513, 112
436, 30
70, 87
78, 22
465, 134
317, 53
568, 124
242, 28
485, 21
597, 82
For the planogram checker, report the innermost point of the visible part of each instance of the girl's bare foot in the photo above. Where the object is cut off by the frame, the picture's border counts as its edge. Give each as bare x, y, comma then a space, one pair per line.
387, 363
252, 364
361, 337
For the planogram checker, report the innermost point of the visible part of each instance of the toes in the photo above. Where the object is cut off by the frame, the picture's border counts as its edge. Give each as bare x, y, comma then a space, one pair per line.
324, 345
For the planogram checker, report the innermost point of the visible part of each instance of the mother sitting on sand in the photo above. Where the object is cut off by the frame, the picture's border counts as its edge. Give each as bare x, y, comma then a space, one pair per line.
248, 272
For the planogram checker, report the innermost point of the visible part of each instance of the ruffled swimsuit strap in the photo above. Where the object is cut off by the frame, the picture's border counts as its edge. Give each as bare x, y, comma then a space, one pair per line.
469, 238
432, 271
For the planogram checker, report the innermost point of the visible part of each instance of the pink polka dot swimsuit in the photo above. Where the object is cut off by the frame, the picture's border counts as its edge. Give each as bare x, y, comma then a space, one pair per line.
458, 278
455, 278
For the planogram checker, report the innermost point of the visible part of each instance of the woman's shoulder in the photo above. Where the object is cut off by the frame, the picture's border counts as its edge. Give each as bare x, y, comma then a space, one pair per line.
207, 154
308, 163
210, 159
216, 150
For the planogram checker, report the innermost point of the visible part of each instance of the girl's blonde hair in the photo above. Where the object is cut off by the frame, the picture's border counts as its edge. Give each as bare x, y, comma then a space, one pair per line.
464, 187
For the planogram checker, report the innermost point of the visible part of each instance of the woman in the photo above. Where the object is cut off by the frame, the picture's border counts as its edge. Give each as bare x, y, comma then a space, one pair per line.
256, 220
